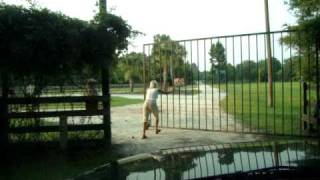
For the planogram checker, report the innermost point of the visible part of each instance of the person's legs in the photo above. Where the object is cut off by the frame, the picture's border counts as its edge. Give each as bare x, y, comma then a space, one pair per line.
145, 118
155, 113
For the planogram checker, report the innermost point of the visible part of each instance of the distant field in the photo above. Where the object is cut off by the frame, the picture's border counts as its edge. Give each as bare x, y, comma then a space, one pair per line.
120, 101
248, 103
139, 90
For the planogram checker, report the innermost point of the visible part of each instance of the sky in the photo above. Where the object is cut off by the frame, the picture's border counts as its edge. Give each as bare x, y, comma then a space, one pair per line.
181, 19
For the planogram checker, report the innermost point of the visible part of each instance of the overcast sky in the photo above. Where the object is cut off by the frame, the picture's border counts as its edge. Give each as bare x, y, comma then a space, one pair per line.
181, 19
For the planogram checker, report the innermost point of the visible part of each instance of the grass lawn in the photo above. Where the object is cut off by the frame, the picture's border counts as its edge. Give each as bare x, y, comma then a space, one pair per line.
248, 103
121, 101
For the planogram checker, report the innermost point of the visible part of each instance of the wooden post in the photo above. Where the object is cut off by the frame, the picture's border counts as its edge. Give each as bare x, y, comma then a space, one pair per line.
4, 121
106, 105
270, 88
105, 72
63, 132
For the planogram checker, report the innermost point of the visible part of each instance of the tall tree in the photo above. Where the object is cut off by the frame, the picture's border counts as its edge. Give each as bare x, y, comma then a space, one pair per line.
217, 56
307, 40
263, 69
218, 60
169, 55
131, 66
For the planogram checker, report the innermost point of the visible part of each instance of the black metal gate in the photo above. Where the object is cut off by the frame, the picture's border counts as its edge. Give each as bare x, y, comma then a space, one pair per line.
221, 83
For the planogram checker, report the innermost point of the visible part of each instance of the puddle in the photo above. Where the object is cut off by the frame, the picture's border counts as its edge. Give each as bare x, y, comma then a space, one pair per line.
216, 160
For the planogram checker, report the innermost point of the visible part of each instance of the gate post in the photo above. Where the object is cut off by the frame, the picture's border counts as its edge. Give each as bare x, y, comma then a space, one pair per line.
4, 120
105, 73
317, 110
106, 106
63, 132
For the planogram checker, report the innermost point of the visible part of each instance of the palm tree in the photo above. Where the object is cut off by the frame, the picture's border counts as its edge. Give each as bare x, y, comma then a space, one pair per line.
132, 67
168, 54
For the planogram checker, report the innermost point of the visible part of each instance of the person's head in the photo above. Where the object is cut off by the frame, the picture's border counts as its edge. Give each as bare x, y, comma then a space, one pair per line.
153, 84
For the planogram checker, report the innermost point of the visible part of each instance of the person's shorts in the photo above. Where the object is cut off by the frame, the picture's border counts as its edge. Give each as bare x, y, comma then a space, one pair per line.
149, 107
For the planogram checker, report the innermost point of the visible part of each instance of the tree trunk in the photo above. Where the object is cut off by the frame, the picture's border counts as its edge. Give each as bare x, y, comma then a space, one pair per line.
165, 77
131, 85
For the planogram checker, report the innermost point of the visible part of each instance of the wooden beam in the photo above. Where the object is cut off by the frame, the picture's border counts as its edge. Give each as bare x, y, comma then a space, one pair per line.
45, 129
62, 99
55, 114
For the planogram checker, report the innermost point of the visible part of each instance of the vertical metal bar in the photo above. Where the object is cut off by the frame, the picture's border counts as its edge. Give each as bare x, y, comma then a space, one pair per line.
219, 162
185, 87
167, 98
198, 64
224, 150
227, 81
309, 82
291, 92
289, 160
300, 76
219, 100
266, 86
160, 68
213, 165
179, 94
282, 83
144, 73
240, 154
255, 155
276, 153
205, 81
274, 87
258, 83
247, 149
200, 166
206, 159
234, 87
173, 53
212, 93
242, 107
250, 103
191, 66
263, 155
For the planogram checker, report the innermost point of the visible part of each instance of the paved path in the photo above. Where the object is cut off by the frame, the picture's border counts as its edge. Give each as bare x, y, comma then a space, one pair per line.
127, 123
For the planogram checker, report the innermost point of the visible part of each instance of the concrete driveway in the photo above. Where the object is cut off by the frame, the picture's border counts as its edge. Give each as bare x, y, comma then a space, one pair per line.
127, 123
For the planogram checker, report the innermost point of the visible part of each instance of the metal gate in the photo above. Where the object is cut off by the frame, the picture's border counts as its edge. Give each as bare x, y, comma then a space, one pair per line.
221, 83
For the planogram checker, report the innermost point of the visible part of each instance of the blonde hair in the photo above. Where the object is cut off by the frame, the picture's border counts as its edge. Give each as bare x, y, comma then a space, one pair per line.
153, 84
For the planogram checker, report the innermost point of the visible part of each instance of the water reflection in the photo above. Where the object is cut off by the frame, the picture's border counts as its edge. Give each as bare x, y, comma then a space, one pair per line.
189, 163
215, 160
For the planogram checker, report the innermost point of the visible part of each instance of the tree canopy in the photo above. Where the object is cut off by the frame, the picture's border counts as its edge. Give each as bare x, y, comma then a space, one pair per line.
169, 55
308, 36
43, 46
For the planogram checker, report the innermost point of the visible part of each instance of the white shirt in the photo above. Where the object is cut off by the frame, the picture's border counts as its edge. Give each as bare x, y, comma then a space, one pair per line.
152, 94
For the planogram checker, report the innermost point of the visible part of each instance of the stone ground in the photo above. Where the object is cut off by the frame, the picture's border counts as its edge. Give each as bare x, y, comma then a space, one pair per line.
127, 124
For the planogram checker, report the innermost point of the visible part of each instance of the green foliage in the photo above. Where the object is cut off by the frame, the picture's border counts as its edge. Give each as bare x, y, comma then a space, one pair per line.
263, 70
132, 66
40, 47
129, 69
308, 36
217, 55
304, 9
247, 71
169, 56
